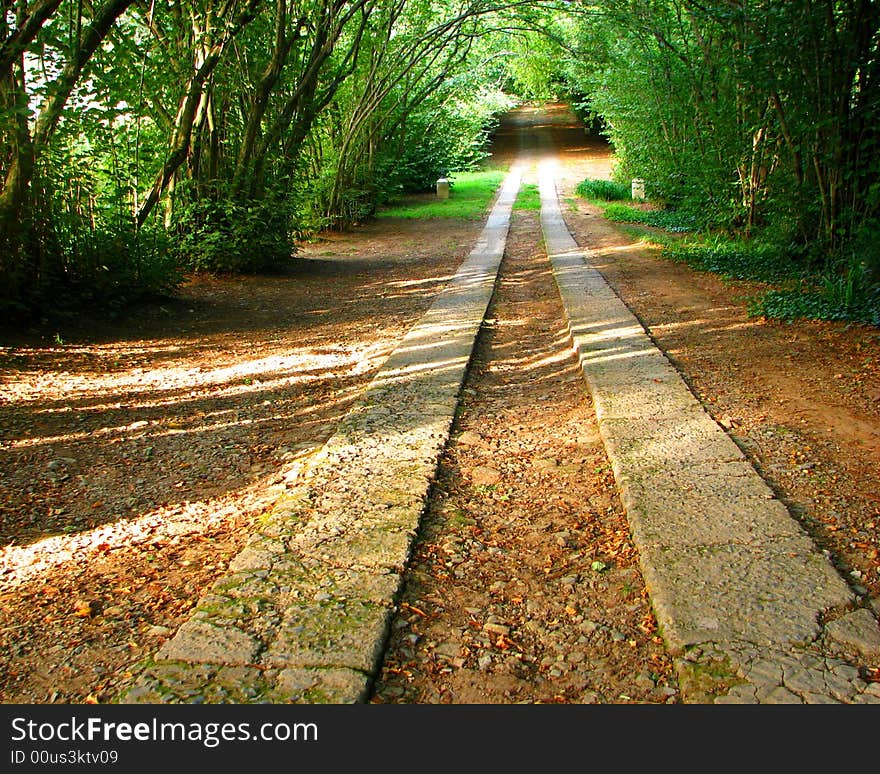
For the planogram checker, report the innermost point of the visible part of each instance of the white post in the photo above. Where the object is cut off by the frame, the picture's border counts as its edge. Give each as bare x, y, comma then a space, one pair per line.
443, 188
638, 188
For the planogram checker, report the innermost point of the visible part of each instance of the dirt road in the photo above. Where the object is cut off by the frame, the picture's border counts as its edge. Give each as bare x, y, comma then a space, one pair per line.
135, 457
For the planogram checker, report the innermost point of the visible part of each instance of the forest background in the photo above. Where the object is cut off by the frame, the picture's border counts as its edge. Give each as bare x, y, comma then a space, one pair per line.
141, 140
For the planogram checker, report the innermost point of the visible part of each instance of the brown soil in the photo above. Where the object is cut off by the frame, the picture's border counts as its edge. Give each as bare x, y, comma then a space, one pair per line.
134, 456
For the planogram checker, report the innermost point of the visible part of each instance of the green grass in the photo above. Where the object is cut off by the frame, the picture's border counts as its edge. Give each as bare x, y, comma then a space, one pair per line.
471, 195
668, 220
528, 198
603, 190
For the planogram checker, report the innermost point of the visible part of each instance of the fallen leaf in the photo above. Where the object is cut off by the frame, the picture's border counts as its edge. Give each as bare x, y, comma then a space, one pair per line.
85, 609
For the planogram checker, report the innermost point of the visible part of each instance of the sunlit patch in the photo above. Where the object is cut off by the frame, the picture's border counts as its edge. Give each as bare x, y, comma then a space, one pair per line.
158, 388
417, 282
634, 247
551, 360
295, 366
710, 326
21, 564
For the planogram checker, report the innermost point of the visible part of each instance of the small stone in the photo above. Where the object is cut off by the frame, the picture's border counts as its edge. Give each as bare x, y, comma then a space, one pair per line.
644, 680
485, 476
447, 650
470, 438
496, 628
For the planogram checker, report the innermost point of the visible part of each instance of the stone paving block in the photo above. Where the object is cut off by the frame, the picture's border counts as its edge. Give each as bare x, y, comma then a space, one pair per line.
818, 698
763, 594
780, 695
321, 686
688, 438
702, 506
857, 631
333, 633
203, 642
380, 548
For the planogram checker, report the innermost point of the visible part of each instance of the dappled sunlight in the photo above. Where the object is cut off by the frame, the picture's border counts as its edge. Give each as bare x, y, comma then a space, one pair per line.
162, 387
558, 358
430, 282
709, 325
20, 564
292, 366
632, 247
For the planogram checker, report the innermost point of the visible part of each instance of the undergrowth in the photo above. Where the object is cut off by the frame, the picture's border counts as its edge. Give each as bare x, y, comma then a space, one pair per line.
843, 288
798, 291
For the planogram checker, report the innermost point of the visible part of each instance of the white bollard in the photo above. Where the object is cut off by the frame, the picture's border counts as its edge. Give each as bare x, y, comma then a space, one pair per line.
638, 188
443, 188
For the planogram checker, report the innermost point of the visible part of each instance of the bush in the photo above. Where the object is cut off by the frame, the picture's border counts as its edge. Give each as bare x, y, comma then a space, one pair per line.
226, 235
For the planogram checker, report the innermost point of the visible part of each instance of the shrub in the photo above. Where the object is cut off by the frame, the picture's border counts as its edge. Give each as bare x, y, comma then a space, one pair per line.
224, 234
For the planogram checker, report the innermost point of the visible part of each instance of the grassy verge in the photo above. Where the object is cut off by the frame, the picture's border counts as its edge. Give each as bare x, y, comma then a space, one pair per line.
796, 289
471, 195
668, 220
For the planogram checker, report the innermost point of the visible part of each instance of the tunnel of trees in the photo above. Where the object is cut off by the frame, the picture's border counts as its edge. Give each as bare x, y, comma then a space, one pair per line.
142, 139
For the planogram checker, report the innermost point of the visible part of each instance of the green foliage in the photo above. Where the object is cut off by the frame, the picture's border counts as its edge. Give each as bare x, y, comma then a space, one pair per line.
670, 220
223, 234
470, 196
737, 259
743, 114
844, 292
603, 190
840, 298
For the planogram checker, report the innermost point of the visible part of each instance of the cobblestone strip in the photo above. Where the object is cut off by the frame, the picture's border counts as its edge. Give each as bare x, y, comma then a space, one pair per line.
303, 611
744, 599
